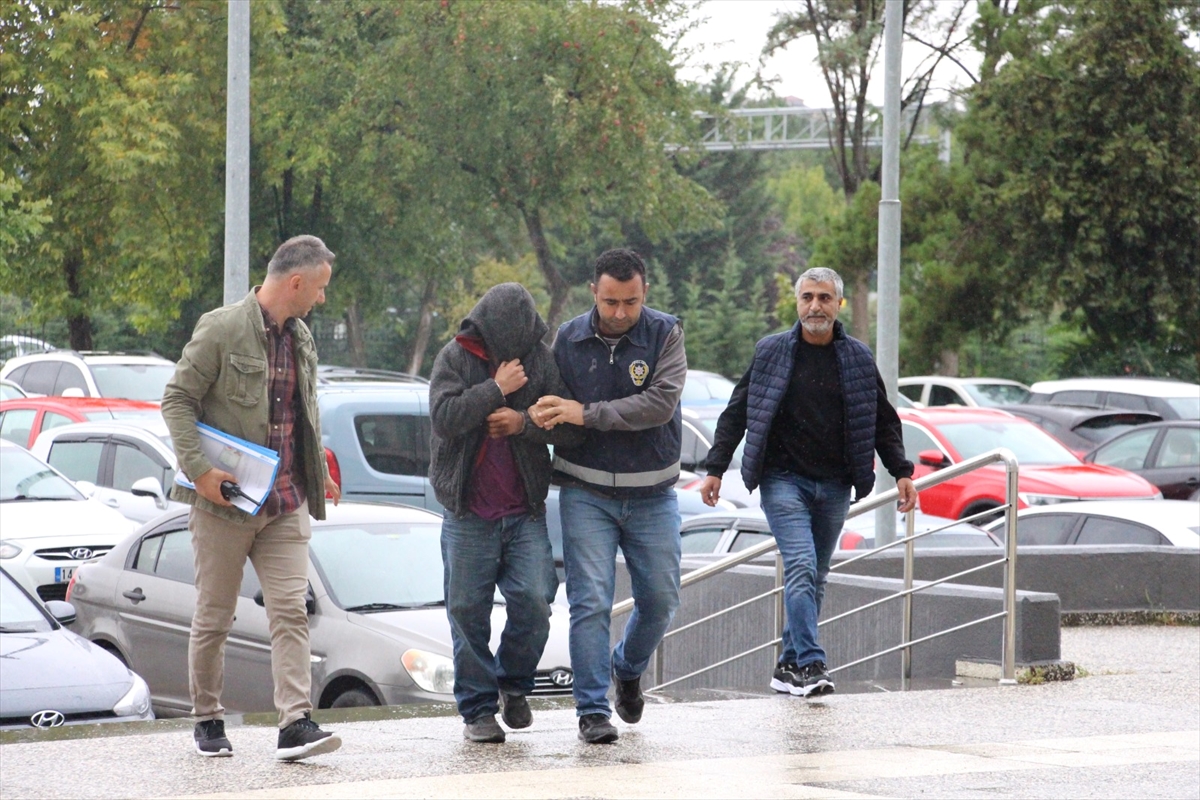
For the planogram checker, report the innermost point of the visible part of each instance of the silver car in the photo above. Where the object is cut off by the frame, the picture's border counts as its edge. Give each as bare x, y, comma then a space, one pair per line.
52, 677
377, 611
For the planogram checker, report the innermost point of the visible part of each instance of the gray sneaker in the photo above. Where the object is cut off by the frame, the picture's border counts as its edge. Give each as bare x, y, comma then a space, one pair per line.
210, 739
484, 729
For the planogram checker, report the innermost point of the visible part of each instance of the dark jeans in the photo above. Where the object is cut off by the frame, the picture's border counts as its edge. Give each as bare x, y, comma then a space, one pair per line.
806, 517
479, 556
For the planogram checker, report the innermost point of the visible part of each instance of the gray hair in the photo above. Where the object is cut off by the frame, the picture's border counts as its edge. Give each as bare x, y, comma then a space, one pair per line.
820, 275
299, 252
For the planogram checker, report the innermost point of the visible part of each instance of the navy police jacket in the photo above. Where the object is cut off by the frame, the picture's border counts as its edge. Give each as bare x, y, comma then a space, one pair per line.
616, 463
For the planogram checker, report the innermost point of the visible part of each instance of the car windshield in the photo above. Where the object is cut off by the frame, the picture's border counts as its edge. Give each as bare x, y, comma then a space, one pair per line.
18, 614
996, 394
380, 565
23, 477
706, 389
1030, 444
1185, 407
133, 381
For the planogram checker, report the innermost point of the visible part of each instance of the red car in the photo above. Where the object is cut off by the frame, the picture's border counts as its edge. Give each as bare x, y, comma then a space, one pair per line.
1049, 472
22, 419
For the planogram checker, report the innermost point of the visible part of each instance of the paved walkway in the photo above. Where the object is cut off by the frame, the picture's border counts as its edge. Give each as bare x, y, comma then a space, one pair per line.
1129, 728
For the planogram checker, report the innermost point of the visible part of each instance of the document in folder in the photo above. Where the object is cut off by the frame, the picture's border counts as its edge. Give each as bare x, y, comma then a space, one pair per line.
254, 466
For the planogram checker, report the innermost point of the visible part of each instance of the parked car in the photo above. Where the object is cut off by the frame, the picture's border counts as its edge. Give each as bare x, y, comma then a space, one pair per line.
15, 344
699, 432
1169, 522
1169, 399
11, 391
726, 532
1081, 428
23, 420
134, 376
379, 632
1049, 473
1166, 453
376, 437
48, 527
329, 373
53, 677
130, 463
705, 388
941, 390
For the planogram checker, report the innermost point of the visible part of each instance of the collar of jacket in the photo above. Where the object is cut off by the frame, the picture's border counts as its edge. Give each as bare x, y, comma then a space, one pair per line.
637, 334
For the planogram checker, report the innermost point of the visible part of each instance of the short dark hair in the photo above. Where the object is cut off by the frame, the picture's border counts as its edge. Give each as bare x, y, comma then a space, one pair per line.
621, 264
299, 252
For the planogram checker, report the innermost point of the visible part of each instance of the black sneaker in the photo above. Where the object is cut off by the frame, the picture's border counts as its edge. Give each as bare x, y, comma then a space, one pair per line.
814, 680
303, 738
210, 739
514, 710
596, 729
787, 678
630, 702
484, 729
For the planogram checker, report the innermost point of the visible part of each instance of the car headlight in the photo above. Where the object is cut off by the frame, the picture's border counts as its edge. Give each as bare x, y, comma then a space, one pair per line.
136, 702
9, 550
1045, 499
431, 672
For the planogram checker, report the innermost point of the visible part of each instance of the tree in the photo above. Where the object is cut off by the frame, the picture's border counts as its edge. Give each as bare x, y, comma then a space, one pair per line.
1088, 153
552, 114
106, 111
724, 318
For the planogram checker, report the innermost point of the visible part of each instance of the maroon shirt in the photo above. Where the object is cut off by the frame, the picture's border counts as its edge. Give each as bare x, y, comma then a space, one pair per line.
495, 490
283, 392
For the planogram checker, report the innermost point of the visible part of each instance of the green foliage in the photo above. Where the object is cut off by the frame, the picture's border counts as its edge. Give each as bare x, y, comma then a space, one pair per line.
809, 205
21, 221
723, 319
1088, 156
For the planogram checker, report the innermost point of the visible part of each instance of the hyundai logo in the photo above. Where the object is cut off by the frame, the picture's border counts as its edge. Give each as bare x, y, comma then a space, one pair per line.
81, 553
562, 677
47, 719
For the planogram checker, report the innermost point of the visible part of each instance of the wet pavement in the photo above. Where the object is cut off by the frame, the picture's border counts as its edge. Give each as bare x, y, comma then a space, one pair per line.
1129, 727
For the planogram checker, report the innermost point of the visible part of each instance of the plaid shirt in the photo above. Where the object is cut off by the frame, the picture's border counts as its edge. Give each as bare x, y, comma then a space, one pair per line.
283, 391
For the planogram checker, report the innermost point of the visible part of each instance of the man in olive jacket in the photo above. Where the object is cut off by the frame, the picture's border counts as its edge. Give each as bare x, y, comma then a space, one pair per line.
490, 468
250, 371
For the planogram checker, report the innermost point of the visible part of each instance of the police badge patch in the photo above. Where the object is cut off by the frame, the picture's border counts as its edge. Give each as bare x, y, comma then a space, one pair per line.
638, 371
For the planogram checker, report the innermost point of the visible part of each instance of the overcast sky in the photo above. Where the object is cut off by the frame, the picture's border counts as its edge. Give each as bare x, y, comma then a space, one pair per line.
736, 30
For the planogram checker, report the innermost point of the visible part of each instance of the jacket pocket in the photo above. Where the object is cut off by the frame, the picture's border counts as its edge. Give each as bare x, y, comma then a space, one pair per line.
246, 379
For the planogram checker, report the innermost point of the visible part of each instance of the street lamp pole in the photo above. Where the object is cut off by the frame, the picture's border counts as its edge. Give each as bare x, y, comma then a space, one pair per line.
237, 154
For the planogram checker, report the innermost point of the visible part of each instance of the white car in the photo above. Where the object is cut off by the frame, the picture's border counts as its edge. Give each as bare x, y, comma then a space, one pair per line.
941, 390
1169, 399
130, 463
48, 527
1165, 522
71, 373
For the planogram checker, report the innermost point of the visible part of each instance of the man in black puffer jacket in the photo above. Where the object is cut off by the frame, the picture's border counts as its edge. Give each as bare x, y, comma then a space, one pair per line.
490, 468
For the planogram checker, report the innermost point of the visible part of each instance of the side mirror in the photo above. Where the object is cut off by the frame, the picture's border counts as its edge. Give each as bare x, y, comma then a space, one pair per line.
150, 487
310, 600
63, 612
87, 487
933, 458
74, 391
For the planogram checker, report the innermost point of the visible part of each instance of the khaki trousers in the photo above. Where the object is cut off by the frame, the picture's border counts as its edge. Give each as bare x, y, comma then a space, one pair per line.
278, 549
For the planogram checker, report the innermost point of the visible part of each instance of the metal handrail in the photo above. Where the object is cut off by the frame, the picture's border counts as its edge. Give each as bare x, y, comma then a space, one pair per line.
1008, 647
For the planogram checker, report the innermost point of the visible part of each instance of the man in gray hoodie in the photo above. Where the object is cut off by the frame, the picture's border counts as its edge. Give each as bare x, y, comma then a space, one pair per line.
490, 468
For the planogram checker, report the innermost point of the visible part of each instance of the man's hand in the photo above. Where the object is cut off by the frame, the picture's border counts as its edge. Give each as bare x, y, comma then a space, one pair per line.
332, 490
908, 495
710, 490
554, 410
510, 376
505, 422
208, 486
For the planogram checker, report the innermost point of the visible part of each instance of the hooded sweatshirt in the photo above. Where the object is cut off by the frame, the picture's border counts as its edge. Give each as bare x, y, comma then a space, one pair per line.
502, 326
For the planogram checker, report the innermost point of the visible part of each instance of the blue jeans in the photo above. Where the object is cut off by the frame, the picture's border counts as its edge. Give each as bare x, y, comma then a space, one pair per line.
806, 517
479, 555
647, 531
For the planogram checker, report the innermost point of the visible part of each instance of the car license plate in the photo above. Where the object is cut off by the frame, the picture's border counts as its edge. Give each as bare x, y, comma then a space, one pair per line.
63, 574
